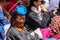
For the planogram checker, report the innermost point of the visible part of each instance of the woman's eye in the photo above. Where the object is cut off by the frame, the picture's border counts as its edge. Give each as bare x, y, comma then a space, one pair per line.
20, 19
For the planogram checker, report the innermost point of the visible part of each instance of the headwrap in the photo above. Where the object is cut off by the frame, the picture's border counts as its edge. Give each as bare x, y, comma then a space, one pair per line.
21, 9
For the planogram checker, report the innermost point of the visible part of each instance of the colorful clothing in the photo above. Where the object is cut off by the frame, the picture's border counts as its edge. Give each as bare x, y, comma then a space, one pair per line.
3, 22
55, 26
10, 5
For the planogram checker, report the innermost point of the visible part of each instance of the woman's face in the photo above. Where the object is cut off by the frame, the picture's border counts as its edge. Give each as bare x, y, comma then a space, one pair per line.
20, 20
38, 3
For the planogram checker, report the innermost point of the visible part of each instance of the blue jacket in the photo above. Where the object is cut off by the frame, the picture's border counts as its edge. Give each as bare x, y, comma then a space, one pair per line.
3, 21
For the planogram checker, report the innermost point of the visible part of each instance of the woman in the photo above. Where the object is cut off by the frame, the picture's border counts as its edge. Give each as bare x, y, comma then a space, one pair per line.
36, 14
17, 31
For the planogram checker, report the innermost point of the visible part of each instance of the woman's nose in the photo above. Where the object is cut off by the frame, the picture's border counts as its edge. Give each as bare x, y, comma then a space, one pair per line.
22, 20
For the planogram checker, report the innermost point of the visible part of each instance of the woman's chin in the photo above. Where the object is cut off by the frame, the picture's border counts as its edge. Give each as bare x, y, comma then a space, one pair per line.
21, 24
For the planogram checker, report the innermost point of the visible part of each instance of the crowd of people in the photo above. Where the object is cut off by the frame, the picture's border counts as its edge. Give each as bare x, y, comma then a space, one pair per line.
29, 19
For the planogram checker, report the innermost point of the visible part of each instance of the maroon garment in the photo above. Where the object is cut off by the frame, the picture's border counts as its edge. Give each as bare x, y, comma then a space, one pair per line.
10, 5
56, 36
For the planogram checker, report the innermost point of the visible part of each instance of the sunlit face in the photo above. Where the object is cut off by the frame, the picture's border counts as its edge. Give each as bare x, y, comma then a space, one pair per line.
20, 20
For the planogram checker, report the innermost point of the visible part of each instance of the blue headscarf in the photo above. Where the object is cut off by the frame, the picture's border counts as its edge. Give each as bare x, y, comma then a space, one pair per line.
21, 9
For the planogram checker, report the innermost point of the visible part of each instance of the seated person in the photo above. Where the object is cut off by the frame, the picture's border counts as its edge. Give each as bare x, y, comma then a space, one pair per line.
17, 31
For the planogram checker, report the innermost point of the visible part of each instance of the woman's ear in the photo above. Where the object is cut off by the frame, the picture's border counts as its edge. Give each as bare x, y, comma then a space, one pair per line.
13, 21
34, 3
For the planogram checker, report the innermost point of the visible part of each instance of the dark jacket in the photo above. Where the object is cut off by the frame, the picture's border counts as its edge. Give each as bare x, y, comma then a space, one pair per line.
14, 34
34, 22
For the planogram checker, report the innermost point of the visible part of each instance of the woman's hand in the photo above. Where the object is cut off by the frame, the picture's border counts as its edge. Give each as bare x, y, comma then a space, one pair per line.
54, 12
43, 8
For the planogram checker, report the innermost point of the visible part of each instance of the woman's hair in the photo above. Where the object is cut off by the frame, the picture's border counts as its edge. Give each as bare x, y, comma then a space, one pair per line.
32, 2
14, 16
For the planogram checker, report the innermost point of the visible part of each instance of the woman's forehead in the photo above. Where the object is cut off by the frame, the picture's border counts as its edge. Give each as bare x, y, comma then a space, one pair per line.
41, 0
21, 16
25, 0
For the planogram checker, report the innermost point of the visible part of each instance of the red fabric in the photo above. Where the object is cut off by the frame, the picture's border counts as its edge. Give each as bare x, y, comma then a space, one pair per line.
55, 24
56, 36
12, 0
9, 5
45, 32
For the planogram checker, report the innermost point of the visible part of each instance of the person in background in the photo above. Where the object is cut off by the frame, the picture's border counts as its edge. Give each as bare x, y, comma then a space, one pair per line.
36, 17
26, 3
36, 11
55, 12
53, 4
3, 20
11, 5
55, 23
17, 30
46, 4
55, 27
